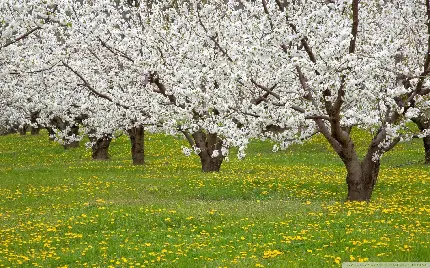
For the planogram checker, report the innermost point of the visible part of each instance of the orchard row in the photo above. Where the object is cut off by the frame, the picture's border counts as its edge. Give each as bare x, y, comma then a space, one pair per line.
221, 73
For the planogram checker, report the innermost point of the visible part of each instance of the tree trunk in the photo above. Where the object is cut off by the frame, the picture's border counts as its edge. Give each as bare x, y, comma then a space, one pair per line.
137, 135
423, 124
361, 178
100, 148
22, 130
208, 143
74, 131
51, 133
361, 174
33, 118
210, 164
35, 131
426, 141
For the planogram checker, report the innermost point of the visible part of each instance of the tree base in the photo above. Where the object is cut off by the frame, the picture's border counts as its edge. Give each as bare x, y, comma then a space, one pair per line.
35, 131
137, 135
101, 149
210, 164
71, 145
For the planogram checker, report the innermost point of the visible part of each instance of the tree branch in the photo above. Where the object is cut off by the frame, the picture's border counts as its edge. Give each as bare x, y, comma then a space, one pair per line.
11, 42
29, 32
88, 85
268, 90
354, 29
214, 38
115, 51
266, 10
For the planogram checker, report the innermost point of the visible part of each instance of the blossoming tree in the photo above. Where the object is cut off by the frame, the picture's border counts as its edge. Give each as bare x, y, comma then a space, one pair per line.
334, 66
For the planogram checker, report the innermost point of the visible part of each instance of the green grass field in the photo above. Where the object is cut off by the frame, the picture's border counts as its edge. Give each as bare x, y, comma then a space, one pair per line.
286, 209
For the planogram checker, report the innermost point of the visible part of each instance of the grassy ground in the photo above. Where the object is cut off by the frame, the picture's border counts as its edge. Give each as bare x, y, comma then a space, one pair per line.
284, 209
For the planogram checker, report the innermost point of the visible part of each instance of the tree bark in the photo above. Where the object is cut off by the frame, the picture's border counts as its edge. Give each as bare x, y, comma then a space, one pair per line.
210, 164
426, 141
23, 129
33, 118
361, 174
423, 124
62, 125
361, 179
208, 143
35, 131
100, 148
51, 133
74, 131
137, 135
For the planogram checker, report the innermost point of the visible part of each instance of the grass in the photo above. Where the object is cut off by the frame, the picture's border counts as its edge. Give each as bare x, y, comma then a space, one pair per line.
286, 209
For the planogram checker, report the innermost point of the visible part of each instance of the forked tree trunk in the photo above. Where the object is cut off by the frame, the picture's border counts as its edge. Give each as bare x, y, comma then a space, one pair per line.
208, 143
100, 148
74, 131
361, 174
137, 135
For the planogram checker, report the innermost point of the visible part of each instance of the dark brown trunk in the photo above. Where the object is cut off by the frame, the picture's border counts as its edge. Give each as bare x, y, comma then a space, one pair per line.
423, 124
361, 179
210, 164
361, 175
22, 129
51, 133
70, 143
35, 127
35, 131
100, 148
137, 135
208, 143
426, 141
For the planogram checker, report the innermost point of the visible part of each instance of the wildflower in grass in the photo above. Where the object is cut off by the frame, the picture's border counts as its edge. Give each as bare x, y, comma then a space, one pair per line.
271, 253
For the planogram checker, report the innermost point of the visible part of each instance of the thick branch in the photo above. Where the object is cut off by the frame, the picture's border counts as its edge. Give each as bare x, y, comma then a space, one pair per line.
88, 85
25, 35
214, 39
324, 130
260, 99
266, 10
280, 5
298, 109
188, 137
323, 117
354, 29
11, 42
339, 99
115, 51
153, 78
304, 83
268, 90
